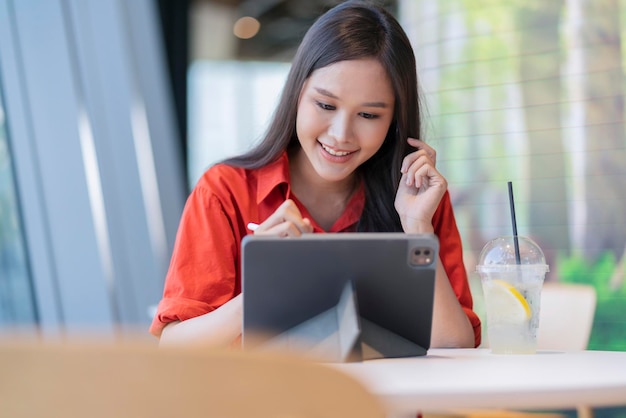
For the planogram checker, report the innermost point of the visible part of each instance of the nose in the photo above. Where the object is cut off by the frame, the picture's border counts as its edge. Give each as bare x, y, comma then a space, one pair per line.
341, 129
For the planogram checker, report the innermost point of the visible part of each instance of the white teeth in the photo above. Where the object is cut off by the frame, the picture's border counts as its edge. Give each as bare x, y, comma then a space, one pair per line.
335, 153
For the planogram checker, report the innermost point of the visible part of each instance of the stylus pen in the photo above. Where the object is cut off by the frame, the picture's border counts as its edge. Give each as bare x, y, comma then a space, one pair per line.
252, 226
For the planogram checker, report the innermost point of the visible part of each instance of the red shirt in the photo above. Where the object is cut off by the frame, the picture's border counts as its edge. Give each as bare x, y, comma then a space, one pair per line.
204, 272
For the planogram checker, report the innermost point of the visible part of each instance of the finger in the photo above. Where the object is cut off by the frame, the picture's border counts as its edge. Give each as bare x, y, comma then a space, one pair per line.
294, 216
291, 229
421, 145
427, 176
288, 213
410, 159
308, 225
405, 188
421, 177
421, 160
284, 229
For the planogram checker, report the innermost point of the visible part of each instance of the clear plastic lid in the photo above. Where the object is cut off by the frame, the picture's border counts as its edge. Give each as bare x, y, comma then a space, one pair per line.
500, 252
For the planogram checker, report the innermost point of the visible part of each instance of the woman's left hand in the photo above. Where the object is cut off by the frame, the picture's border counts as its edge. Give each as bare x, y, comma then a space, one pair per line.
421, 189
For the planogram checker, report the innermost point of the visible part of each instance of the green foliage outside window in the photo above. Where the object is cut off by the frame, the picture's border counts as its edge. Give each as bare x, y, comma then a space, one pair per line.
606, 276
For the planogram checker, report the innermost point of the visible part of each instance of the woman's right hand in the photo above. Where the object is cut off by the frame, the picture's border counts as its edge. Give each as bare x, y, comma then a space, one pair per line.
286, 221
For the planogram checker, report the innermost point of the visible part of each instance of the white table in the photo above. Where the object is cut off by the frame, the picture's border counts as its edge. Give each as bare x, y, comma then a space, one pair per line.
457, 379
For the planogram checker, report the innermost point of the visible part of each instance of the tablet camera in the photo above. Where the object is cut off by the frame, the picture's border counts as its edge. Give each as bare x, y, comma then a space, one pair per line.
422, 256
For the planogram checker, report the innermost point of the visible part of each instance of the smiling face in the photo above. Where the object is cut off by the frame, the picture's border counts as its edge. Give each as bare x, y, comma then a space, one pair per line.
344, 113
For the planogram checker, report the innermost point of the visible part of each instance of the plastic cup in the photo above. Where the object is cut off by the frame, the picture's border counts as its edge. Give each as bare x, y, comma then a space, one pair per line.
512, 293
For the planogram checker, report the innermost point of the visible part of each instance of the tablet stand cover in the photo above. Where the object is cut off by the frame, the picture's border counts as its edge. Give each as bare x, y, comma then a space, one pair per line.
371, 299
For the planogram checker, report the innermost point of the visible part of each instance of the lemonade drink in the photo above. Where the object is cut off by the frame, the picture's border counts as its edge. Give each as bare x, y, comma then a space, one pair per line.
512, 286
512, 306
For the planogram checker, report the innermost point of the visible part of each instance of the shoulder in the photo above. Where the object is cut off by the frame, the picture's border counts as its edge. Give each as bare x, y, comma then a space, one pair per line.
226, 181
223, 177
222, 190
224, 171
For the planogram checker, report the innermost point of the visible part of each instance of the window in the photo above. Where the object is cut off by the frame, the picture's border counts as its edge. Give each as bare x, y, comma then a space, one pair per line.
16, 299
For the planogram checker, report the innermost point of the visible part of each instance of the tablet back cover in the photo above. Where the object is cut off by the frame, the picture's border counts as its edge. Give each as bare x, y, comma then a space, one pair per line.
287, 281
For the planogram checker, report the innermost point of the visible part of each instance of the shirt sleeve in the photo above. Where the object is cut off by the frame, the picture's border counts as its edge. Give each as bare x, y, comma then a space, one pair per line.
451, 254
202, 273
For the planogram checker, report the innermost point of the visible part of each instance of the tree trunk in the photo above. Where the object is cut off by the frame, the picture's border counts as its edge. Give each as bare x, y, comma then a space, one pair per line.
540, 64
605, 162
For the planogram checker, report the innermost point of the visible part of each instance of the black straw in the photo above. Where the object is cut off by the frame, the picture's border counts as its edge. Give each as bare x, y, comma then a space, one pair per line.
514, 223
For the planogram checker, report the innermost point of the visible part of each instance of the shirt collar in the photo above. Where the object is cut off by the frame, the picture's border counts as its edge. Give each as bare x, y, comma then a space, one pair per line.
275, 174
272, 176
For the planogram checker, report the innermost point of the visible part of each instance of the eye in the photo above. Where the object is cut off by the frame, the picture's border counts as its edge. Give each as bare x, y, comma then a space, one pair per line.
325, 106
368, 115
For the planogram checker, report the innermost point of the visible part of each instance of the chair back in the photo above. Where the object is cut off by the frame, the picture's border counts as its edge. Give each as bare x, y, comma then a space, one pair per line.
566, 316
139, 380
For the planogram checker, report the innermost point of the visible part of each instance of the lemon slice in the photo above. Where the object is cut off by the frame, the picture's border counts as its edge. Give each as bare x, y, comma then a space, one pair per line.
505, 303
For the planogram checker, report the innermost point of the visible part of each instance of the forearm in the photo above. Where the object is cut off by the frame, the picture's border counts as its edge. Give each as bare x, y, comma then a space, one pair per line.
451, 326
218, 328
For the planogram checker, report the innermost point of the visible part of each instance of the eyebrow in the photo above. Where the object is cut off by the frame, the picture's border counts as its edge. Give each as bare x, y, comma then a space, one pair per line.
325, 92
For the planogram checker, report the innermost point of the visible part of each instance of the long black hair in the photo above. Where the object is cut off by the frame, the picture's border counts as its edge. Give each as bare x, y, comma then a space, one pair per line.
353, 30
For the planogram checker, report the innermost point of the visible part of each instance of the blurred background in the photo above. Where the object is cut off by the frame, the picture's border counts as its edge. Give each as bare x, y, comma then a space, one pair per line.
110, 110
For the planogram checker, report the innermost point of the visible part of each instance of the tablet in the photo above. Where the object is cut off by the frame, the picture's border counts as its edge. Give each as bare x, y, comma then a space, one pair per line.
343, 296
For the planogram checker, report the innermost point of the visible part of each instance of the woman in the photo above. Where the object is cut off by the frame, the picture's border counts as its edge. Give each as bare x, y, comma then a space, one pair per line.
341, 154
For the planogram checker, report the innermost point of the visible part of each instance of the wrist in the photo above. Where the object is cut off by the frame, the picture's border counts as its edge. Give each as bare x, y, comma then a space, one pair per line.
418, 227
